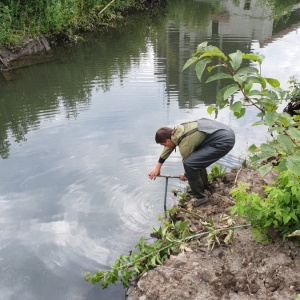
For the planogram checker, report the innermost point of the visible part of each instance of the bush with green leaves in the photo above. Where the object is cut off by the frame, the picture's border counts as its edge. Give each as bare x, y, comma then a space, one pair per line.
280, 210
257, 91
245, 86
31, 18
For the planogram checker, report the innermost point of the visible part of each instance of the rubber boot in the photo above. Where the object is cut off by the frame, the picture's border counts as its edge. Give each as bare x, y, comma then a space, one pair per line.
203, 174
197, 188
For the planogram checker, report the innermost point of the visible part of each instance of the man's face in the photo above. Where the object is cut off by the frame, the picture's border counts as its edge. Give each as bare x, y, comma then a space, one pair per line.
168, 143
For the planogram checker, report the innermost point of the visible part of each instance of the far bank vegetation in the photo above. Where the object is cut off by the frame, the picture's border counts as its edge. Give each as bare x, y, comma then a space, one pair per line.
32, 18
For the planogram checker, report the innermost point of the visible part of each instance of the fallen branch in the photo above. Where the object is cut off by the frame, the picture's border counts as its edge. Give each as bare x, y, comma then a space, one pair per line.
102, 10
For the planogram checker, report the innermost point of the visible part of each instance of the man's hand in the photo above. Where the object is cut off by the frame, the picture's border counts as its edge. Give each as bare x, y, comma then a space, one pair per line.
155, 172
182, 177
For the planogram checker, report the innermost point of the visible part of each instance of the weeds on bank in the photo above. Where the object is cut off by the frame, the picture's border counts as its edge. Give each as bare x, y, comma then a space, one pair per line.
216, 171
172, 238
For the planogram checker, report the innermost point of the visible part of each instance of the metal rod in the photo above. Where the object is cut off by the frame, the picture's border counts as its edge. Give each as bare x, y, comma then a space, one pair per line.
168, 176
166, 188
166, 191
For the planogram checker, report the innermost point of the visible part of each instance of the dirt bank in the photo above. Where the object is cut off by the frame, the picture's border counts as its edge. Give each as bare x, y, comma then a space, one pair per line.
243, 270
11, 58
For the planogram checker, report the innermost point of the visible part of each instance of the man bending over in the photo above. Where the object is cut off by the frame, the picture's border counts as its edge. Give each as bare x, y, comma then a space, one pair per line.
201, 143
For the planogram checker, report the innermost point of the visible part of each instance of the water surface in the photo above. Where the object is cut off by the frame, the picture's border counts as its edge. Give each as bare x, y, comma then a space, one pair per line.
77, 138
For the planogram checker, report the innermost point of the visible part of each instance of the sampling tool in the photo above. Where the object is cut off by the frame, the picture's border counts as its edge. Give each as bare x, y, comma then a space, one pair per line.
166, 188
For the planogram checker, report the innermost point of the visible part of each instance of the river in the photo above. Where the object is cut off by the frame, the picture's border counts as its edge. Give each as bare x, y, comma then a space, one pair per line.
77, 138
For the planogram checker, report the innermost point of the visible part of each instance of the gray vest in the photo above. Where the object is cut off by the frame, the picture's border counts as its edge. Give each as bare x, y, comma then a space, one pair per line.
211, 126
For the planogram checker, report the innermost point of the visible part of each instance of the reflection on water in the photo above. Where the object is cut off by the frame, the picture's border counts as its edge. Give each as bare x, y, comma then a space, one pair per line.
77, 138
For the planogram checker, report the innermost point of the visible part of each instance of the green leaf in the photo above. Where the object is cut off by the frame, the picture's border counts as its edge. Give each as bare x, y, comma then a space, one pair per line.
282, 166
265, 169
247, 87
231, 89
202, 47
271, 118
254, 57
254, 79
212, 51
210, 68
190, 62
253, 148
268, 223
269, 93
254, 93
236, 106
293, 164
294, 133
240, 113
247, 70
236, 59
262, 81
220, 94
211, 109
200, 67
273, 82
240, 79
286, 142
258, 123
238, 109
218, 76
285, 119
286, 217
268, 148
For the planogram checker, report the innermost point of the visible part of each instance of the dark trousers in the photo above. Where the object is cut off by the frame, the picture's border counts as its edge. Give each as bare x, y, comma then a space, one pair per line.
214, 147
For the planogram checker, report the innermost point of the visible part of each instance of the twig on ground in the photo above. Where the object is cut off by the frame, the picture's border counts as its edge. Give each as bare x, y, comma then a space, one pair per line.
197, 216
236, 177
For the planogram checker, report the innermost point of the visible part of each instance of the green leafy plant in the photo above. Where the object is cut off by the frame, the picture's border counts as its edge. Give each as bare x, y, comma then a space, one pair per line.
279, 210
32, 18
171, 238
244, 87
6, 35
216, 172
254, 90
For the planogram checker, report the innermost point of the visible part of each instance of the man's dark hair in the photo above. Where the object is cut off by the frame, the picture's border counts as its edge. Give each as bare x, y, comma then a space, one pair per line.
162, 134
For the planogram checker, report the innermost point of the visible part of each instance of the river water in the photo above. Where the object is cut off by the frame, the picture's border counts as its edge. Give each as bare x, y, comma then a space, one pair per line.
77, 138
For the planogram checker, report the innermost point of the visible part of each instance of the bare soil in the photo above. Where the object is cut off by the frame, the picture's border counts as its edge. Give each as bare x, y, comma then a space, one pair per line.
243, 270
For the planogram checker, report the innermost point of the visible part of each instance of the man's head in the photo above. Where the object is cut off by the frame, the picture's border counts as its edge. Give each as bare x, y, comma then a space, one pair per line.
163, 137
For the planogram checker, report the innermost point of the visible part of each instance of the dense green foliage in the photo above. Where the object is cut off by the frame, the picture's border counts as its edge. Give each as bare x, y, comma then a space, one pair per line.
34, 17
280, 209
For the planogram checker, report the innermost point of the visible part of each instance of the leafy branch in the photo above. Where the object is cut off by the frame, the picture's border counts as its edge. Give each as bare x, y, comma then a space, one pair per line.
264, 93
172, 238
